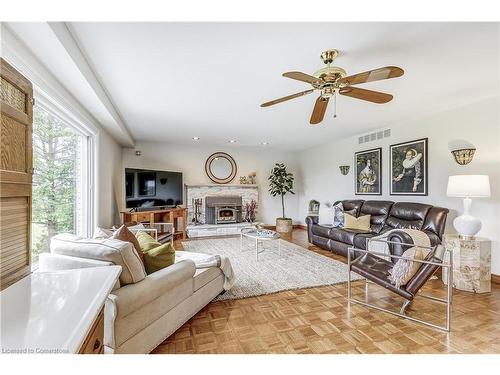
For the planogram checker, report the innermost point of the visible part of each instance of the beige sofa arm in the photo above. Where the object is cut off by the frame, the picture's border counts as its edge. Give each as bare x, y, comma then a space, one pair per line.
131, 297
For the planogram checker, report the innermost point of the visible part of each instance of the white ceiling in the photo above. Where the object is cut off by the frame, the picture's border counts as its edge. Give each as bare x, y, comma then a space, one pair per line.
173, 81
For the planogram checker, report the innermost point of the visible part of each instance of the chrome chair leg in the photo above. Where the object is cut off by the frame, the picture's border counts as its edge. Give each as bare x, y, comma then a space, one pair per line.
348, 276
405, 306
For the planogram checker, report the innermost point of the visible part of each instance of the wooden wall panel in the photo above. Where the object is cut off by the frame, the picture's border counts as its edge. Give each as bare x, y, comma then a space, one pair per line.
16, 98
13, 145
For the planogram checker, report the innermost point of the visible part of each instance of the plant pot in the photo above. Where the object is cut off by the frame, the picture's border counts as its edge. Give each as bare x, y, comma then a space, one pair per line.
284, 225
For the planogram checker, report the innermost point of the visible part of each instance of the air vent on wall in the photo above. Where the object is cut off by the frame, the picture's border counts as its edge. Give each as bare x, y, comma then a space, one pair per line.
385, 133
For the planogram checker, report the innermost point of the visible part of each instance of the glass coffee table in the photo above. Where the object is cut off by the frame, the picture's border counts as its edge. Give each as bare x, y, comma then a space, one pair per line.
260, 236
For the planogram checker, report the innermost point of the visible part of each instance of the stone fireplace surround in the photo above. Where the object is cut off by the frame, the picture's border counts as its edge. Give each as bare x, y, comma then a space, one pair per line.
246, 193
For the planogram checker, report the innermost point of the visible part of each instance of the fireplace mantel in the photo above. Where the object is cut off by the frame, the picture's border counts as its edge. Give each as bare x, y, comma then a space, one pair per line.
250, 186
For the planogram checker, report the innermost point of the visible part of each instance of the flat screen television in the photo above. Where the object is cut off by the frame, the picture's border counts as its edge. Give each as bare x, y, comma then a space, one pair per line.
146, 189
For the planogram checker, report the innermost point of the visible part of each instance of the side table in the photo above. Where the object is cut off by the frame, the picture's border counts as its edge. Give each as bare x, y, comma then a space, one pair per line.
471, 263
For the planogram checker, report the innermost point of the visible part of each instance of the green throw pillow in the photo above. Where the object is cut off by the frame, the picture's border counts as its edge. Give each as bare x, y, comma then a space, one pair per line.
159, 257
156, 255
146, 241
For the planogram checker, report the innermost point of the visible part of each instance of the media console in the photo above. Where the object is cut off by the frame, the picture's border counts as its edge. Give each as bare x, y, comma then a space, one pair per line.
176, 216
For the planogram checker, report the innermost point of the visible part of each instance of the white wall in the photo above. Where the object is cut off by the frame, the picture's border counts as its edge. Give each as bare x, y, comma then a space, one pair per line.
190, 160
477, 123
108, 180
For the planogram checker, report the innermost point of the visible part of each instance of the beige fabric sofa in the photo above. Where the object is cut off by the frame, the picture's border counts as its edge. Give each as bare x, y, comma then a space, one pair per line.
139, 316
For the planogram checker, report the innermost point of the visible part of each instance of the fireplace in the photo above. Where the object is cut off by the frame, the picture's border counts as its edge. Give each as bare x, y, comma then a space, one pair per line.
224, 209
225, 215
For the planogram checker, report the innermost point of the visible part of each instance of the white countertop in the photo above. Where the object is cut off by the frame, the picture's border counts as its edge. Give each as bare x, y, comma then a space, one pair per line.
53, 311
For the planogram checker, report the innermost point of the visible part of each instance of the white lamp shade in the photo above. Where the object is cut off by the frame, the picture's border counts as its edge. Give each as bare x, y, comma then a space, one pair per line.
470, 186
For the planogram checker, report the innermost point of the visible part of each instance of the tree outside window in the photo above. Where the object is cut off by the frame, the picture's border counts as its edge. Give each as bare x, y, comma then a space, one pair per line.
56, 162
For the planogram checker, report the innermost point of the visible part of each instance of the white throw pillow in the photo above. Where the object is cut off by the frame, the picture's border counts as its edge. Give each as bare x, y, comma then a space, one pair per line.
118, 252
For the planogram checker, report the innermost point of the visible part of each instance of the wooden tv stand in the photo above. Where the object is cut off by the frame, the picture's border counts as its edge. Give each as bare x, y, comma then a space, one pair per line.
168, 215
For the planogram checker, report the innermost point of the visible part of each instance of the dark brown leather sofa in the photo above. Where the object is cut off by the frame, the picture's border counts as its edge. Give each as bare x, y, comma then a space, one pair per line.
385, 215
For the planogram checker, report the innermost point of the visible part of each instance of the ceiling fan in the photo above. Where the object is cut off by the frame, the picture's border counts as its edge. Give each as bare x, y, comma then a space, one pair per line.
332, 80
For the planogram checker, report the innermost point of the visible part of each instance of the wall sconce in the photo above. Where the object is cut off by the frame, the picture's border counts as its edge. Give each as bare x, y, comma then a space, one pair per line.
344, 169
138, 153
464, 156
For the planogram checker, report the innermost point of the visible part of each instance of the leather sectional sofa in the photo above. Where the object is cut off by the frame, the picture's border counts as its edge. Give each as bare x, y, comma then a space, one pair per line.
385, 215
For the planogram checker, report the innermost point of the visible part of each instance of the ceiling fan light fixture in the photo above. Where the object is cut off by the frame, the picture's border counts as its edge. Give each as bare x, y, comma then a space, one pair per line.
333, 80
330, 73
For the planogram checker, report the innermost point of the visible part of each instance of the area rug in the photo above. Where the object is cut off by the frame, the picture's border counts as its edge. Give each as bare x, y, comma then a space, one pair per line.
297, 267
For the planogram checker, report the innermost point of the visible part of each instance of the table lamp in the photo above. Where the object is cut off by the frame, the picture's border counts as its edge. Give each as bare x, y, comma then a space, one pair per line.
467, 187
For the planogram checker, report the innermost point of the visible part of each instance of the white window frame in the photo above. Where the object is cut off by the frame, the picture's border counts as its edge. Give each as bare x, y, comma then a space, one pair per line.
43, 101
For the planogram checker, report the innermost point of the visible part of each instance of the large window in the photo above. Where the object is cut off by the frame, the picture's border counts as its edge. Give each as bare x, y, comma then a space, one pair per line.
61, 183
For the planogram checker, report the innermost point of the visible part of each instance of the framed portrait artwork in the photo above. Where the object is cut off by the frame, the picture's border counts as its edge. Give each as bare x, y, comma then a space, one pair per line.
408, 163
368, 176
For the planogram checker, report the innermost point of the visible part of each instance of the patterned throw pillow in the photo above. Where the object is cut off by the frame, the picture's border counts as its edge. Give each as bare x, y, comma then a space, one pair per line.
338, 215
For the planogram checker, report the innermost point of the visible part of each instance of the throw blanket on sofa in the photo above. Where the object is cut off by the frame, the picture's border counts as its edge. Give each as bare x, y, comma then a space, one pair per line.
206, 261
223, 263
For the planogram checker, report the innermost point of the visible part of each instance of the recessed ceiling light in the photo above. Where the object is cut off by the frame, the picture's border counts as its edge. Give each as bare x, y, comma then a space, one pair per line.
232, 141
196, 138
265, 143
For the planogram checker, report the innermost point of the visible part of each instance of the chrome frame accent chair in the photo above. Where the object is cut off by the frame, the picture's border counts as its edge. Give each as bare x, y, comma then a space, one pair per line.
375, 267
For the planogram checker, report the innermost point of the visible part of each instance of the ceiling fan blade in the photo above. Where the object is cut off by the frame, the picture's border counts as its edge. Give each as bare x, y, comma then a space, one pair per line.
373, 75
368, 95
319, 110
285, 98
301, 77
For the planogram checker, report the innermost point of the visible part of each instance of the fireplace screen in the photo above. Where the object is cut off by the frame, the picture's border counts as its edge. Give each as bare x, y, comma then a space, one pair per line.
225, 215
223, 209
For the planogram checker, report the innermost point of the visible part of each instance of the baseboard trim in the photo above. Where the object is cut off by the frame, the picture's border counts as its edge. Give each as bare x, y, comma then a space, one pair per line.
495, 279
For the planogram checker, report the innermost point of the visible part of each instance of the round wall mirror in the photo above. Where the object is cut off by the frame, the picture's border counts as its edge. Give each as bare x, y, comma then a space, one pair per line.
220, 168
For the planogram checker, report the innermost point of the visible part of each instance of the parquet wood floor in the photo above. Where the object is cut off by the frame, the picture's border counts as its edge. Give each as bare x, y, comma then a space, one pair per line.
319, 320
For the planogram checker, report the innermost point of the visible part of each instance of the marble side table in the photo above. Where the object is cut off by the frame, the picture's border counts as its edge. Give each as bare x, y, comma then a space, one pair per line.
471, 263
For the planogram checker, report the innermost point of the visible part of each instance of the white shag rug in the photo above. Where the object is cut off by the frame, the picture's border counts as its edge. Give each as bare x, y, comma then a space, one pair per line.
297, 267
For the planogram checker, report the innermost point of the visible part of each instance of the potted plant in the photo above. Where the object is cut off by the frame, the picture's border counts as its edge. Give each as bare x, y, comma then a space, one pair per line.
281, 183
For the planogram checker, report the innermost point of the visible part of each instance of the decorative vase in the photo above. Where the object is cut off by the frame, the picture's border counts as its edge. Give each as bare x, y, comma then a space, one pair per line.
467, 225
284, 225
